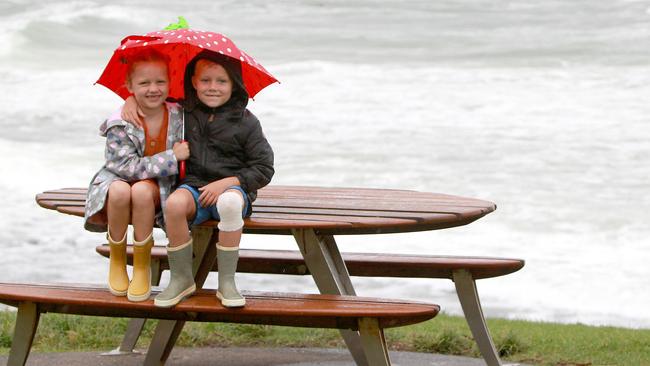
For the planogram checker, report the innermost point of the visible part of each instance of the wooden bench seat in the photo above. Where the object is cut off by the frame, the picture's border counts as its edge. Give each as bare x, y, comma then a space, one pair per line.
462, 270
369, 316
291, 262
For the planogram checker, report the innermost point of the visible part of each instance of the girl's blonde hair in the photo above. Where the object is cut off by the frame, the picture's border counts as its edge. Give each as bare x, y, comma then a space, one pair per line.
145, 55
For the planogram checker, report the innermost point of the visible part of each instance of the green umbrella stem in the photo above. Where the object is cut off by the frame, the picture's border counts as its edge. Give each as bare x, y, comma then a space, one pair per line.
182, 24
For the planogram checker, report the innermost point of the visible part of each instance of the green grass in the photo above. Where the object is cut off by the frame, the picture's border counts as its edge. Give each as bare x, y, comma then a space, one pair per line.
517, 341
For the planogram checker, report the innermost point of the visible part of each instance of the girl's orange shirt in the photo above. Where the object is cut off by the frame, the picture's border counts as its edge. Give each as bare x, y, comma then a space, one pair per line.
156, 144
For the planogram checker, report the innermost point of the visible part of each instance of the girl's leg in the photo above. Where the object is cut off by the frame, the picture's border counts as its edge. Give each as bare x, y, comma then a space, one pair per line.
118, 210
145, 197
179, 207
230, 207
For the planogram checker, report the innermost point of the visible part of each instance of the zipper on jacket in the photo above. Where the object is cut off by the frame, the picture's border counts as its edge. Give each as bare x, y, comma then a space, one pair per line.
203, 147
205, 139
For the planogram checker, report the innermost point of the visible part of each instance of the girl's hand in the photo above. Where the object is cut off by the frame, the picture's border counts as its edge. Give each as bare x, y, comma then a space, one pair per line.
181, 150
131, 112
210, 193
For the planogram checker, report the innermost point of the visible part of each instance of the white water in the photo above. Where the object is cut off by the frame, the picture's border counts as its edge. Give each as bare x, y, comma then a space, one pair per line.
541, 108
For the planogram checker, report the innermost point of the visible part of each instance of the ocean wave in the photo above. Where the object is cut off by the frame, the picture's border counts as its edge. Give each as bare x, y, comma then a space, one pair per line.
559, 144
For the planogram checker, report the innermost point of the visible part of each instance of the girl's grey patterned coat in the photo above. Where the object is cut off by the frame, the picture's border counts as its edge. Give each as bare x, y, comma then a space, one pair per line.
124, 161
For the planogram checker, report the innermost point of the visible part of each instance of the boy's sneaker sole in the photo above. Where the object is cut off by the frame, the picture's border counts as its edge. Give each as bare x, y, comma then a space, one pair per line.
173, 301
231, 303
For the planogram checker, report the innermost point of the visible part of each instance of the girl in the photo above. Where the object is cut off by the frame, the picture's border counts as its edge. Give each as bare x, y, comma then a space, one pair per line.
137, 178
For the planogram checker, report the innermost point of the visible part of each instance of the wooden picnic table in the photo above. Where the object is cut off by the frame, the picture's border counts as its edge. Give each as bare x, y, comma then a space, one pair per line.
330, 211
314, 216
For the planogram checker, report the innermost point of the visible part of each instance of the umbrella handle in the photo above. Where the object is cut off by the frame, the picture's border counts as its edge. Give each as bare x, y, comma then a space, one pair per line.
181, 168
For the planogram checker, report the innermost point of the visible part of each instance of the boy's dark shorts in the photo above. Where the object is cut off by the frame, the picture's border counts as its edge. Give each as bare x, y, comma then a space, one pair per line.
204, 214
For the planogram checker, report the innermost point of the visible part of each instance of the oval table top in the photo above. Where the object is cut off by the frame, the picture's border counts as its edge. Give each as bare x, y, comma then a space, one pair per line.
279, 209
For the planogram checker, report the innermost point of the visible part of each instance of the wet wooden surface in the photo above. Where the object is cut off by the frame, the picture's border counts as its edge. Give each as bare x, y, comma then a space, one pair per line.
278, 209
305, 310
291, 262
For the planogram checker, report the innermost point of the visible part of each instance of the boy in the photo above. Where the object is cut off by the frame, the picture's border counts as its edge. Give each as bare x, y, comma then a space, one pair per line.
230, 160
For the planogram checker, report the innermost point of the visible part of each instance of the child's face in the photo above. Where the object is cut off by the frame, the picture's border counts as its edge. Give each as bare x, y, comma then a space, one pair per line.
212, 83
149, 84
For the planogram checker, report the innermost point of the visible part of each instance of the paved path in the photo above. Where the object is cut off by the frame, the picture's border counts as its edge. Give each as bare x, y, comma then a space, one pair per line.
236, 356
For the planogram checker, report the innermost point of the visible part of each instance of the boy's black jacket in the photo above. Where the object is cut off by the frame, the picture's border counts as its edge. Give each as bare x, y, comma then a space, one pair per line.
225, 141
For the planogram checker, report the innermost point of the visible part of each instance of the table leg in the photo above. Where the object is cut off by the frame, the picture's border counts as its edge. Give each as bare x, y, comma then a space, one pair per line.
469, 301
328, 269
167, 331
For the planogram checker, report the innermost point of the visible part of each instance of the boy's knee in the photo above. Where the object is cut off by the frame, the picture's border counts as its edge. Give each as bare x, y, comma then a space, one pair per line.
230, 206
176, 205
119, 193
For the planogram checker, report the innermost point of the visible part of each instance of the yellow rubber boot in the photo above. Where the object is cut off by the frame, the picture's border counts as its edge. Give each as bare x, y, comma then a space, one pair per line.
118, 279
140, 287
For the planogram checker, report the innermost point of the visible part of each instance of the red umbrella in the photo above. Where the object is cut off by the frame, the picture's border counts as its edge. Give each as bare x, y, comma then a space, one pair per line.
181, 45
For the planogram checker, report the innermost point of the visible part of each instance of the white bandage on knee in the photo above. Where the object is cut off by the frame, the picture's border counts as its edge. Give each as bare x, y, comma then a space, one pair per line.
230, 206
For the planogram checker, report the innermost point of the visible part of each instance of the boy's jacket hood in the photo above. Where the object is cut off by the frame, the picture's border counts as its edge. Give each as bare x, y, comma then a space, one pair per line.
237, 103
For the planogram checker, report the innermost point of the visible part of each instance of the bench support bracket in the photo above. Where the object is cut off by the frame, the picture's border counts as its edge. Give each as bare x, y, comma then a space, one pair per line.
471, 304
26, 324
374, 343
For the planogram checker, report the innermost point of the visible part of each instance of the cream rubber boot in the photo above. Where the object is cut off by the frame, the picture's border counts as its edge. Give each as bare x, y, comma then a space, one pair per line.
181, 284
140, 286
118, 279
227, 258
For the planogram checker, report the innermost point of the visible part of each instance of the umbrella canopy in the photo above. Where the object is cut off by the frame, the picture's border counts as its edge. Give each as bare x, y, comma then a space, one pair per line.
181, 45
